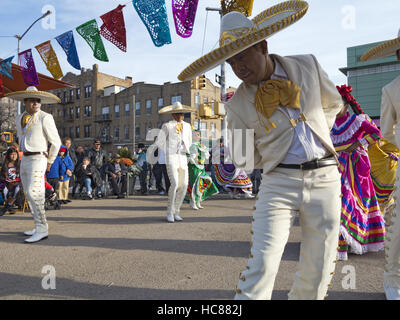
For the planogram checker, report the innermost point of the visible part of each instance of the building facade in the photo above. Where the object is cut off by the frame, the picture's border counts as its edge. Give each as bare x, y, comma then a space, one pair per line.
120, 112
368, 78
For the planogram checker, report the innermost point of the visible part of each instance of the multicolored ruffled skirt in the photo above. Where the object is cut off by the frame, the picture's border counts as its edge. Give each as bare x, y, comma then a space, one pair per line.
362, 227
229, 177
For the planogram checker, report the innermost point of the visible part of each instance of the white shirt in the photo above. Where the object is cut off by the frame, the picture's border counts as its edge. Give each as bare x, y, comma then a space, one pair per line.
305, 145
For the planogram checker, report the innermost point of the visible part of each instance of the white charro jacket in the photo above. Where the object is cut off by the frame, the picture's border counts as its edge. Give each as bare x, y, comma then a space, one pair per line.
40, 134
168, 139
390, 112
319, 102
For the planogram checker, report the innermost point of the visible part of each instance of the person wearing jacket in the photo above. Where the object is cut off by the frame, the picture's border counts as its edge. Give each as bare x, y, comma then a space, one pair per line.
98, 158
87, 175
66, 169
283, 110
175, 139
36, 130
117, 172
390, 115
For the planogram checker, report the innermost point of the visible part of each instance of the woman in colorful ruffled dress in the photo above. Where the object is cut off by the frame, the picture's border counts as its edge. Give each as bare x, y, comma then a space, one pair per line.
362, 227
200, 185
235, 181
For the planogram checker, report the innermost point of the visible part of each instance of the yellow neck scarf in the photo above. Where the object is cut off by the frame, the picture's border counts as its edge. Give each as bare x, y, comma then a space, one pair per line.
25, 119
179, 127
274, 93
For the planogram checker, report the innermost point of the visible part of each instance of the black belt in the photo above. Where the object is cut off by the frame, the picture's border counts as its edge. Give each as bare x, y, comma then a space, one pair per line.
311, 165
27, 153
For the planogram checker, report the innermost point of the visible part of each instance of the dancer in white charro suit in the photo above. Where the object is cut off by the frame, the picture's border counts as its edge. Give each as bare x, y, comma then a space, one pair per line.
36, 130
175, 139
288, 104
390, 128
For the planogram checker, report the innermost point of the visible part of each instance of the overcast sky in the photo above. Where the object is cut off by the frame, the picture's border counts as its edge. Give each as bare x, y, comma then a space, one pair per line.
328, 28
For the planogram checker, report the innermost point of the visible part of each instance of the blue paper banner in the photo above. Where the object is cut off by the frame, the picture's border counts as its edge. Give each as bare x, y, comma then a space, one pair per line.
6, 67
67, 42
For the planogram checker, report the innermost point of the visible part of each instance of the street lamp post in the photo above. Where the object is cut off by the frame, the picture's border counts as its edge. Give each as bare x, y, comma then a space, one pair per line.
222, 79
19, 46
26, 31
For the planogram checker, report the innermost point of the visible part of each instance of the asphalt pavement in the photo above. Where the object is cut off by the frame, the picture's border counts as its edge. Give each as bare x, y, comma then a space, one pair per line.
125, 249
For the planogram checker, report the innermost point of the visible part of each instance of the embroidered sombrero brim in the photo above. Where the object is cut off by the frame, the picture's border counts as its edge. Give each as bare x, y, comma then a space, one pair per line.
179, 109
267, 23
383, 50
45, 97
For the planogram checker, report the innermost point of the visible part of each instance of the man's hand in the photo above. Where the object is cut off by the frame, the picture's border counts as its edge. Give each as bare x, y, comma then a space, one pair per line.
113, 175
48, 166
353, 147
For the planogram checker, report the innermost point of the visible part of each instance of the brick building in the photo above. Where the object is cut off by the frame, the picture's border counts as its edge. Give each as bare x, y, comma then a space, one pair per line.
120, 112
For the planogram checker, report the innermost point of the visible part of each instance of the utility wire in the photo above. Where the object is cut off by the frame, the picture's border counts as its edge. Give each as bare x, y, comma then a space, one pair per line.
204, 35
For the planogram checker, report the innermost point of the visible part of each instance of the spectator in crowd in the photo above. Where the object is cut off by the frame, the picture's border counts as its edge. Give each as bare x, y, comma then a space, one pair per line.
98, 158
255, 177
140, 157
10, 181
53, 175
80, 155
66, 168
71, 152
160, 172
117, 172
87, 175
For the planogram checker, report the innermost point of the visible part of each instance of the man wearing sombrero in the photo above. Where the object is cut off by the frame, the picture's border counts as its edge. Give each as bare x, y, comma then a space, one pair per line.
175, 139
389, 122
36, 129
289, 105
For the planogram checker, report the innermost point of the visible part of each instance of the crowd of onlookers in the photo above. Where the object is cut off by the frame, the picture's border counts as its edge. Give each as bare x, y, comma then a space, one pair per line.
89, 174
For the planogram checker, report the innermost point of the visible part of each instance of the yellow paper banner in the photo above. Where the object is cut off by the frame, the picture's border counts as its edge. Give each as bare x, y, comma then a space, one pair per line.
49, 57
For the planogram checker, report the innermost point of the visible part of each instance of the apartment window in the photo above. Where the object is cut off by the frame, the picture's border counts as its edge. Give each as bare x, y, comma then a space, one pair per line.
88, 91
137, 132
78, 112
176, 99
71, 113
116, 134
148, 107
116, 110
138, 108
71, 132
88, 111
65, 96
87, 131
65, 113
126, 132
127, 110
78, 93
71, 94
160, 103
60, 113
77, 132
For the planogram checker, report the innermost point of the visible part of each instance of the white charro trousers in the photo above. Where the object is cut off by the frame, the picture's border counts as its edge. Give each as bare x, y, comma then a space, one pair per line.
33, 169
391, 276
313, 195
178, 175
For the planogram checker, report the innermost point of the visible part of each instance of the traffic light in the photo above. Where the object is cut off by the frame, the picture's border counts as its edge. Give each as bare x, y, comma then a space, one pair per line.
194, 84
202, 82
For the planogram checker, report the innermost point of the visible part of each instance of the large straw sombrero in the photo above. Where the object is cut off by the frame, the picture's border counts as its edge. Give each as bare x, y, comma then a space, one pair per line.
177, 107
239, 33
383, 50
33, 92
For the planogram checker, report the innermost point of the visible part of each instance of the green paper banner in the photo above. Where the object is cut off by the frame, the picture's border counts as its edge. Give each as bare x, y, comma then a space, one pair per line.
90, 32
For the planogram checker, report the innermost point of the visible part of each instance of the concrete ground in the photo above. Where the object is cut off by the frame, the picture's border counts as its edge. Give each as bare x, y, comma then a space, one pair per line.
124, 249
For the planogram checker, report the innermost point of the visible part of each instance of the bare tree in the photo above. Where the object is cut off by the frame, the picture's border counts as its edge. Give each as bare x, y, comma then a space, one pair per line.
8, 113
